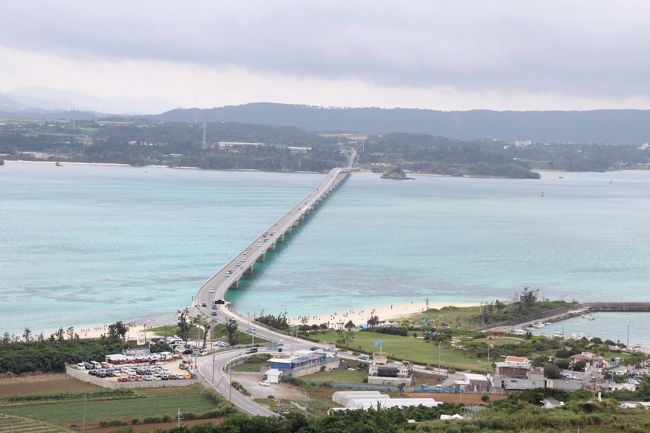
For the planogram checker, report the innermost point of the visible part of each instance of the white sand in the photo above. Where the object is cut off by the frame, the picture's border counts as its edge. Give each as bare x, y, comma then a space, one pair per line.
385, 312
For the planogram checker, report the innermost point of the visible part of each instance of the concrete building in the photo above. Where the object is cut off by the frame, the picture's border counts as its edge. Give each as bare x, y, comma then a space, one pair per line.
383, 372
303, 362
474, 383
564, 384
516, 374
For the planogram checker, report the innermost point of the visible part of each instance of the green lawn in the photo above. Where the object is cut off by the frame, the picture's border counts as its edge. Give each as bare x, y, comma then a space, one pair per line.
498, 341
338, 376
467, 318
410, 349
152, 403
253, 364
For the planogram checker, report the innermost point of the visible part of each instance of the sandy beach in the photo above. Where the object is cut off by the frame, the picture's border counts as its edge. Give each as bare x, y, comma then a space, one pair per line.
383, 312
139, 328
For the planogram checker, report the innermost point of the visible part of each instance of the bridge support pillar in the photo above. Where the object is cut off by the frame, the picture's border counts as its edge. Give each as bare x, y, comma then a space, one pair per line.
249, 270
234, 284
261, 258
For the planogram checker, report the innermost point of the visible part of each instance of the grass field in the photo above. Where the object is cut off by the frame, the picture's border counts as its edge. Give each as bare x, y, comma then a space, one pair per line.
467, 318
338, 376
254, 364
153, 402
410, 349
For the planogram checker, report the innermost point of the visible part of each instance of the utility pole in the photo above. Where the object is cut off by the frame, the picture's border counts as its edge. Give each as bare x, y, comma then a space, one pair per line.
83, 423
488, 356
229, 383
439, 346
213, 355
628, 337
179, 418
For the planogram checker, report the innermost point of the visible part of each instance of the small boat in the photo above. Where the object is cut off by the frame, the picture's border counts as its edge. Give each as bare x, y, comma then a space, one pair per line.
58, 164
539, 325
588, 316
558, 334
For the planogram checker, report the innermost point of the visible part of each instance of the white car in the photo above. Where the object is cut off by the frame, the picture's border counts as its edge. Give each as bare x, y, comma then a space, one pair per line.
265, 383
211, 290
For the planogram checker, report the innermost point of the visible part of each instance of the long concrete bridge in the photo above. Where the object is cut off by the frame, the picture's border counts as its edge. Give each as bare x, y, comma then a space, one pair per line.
244, 262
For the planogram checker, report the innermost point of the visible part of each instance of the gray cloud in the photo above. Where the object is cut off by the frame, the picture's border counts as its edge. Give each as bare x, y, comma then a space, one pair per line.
594, 48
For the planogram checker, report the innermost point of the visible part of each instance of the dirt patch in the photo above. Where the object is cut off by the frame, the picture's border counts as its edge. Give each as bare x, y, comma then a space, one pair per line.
464, 398
43, 384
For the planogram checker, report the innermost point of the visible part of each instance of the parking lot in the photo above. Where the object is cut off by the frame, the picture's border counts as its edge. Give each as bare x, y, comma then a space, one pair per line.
176, 369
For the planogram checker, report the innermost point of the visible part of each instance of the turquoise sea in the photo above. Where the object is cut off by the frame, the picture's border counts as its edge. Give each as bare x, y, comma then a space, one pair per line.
83, 245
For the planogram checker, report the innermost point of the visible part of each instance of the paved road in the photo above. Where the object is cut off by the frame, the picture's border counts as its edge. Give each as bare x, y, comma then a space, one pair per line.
212, 369
229, 275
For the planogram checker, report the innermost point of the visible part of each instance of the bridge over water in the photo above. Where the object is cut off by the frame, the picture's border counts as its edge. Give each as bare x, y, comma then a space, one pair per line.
215, 288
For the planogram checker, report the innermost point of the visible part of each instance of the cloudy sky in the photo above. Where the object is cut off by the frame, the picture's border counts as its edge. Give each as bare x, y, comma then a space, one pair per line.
460, 54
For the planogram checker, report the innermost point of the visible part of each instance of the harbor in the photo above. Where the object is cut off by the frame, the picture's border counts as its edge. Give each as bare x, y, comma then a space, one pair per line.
622, 322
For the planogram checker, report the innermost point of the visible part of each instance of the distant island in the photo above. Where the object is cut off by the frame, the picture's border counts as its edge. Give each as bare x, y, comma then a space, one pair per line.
396, 174
239, 146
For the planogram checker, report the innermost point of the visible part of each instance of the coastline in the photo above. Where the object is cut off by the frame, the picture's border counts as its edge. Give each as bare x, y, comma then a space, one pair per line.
117, 164
383, 312
138, 328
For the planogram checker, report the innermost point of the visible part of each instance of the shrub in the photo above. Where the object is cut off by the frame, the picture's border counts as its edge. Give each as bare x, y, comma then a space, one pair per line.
113, 423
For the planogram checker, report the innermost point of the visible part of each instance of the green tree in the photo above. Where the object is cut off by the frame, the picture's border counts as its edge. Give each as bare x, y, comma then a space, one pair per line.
373, 320
204, 325
231, 331
116, 331
184, 323
344, 338
552, 371
349, 325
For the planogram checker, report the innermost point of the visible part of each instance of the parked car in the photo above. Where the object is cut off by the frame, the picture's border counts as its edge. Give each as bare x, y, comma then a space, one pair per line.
265, 383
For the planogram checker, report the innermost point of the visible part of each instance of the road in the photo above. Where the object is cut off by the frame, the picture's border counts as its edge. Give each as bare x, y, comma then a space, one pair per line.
214, 290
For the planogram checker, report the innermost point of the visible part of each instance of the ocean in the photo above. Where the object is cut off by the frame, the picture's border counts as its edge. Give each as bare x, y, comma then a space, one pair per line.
83, 245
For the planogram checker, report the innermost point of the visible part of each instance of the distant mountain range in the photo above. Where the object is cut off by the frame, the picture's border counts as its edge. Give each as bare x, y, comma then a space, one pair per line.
31, 100
597, 126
